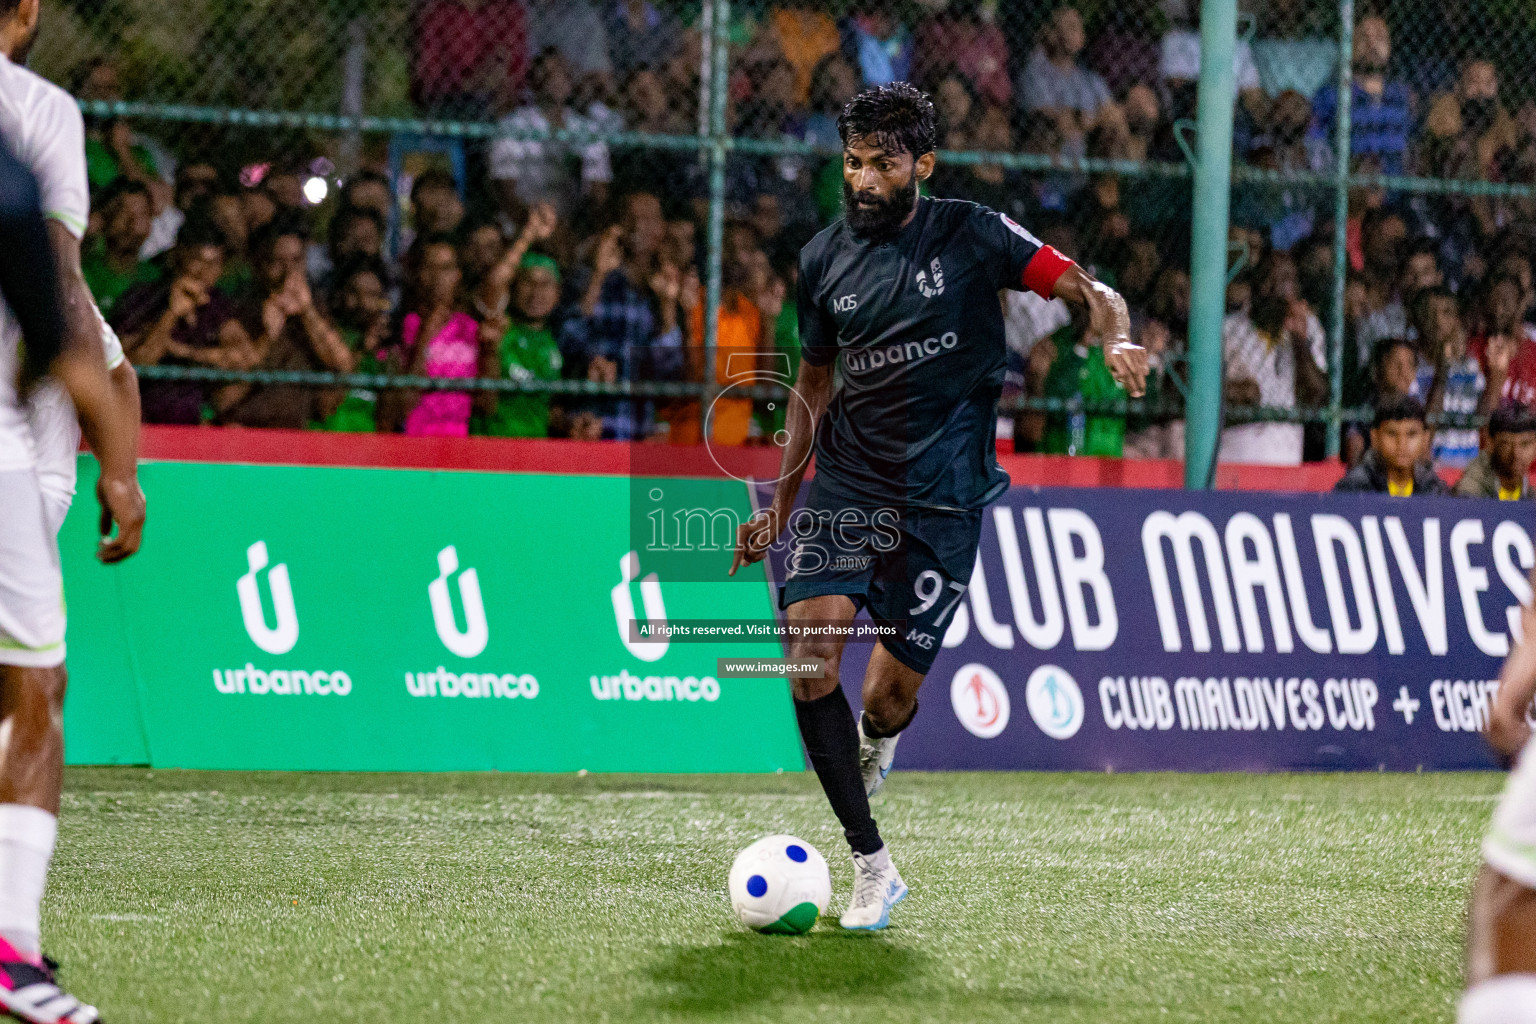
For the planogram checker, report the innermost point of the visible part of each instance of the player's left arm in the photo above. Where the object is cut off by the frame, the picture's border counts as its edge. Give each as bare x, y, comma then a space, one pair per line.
1024, 263
1109, 320
110, 423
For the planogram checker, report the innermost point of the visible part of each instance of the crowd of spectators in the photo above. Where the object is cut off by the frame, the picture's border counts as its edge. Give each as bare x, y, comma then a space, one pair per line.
546, 259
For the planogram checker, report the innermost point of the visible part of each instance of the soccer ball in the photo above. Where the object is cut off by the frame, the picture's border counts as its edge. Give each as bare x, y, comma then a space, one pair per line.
780, 885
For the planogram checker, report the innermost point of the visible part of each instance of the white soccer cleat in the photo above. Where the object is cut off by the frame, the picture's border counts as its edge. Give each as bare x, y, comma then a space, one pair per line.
875, 759
877, 887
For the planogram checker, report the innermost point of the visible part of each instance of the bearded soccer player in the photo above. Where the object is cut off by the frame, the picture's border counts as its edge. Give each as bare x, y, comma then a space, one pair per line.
43, 126
904, 291
1501, 944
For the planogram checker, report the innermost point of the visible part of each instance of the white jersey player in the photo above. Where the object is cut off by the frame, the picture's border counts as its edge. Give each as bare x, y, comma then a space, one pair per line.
44, 130
1501, 944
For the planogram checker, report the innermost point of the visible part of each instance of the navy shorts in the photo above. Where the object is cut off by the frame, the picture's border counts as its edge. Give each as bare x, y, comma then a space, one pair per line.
909, 567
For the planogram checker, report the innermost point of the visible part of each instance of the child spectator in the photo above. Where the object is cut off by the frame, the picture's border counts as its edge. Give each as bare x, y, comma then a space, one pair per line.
1502, 469
1395, 463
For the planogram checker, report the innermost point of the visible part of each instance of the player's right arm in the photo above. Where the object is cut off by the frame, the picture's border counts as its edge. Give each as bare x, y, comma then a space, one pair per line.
813, 386
1507, 727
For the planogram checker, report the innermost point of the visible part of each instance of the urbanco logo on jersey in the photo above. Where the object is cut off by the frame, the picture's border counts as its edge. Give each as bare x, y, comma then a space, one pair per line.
624, 608
471, 640
278, 638
980, 700
1054, 702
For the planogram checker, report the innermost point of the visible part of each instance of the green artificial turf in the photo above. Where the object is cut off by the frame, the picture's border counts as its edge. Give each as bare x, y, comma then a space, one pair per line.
212, 897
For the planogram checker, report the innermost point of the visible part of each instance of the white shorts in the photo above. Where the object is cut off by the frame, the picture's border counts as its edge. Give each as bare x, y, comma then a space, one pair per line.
31, 584
1510, 848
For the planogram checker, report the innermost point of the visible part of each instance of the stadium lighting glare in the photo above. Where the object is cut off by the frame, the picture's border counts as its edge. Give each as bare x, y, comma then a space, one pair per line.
315, 190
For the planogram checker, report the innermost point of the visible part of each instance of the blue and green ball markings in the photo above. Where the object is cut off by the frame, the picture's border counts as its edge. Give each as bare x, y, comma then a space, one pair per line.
780, 885
800, 919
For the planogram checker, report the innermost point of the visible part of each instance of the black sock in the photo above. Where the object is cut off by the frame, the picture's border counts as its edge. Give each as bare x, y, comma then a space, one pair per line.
878, 734
831, 739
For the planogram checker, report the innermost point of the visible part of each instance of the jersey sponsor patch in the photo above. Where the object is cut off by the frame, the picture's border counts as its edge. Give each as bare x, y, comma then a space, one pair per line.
937, 287
1018, 229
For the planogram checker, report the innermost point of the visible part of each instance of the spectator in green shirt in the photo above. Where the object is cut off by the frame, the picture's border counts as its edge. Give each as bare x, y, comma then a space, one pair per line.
360, 308
1077, 374
111, 264
527, 350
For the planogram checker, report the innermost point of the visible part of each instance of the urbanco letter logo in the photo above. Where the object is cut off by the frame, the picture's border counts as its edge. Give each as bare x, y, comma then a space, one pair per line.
278, 639
469, 642
624, 608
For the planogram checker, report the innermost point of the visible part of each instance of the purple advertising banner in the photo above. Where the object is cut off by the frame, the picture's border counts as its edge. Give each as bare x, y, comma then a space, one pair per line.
1135, 630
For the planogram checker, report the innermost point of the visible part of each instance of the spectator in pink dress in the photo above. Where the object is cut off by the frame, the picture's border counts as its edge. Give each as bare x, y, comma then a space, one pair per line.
436, 340
961, 38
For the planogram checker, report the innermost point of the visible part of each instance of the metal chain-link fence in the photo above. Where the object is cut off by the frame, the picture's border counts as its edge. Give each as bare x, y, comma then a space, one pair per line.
464, 116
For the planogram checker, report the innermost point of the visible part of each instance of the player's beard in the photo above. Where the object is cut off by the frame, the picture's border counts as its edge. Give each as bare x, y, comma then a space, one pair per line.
882, 219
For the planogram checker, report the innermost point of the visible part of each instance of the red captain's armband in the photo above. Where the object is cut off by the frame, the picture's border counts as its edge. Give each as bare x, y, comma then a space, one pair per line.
1044, 270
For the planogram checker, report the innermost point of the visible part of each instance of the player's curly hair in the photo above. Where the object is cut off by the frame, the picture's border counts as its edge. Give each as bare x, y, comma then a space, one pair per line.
899, 118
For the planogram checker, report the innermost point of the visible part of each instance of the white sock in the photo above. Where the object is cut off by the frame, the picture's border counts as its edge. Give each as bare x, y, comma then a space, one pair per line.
27, 835
1502, 999
880, 860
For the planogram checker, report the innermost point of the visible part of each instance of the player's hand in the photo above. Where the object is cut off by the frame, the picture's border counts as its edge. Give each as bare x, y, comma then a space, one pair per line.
1110, 321
122, 502
753, 538
1507, 733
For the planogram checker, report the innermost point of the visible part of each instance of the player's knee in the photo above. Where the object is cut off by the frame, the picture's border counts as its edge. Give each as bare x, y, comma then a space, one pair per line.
31, 692
888, 710
815, 687
50, 685
1502, 999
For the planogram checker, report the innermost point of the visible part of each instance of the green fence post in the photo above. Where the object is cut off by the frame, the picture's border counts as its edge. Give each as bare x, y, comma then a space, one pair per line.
1208, 258
1341, 129
720, 17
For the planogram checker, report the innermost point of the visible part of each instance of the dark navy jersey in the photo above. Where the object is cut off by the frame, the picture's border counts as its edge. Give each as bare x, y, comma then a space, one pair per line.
918, 327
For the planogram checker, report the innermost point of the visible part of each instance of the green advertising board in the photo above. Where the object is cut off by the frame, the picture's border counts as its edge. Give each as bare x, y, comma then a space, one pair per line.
309, 618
